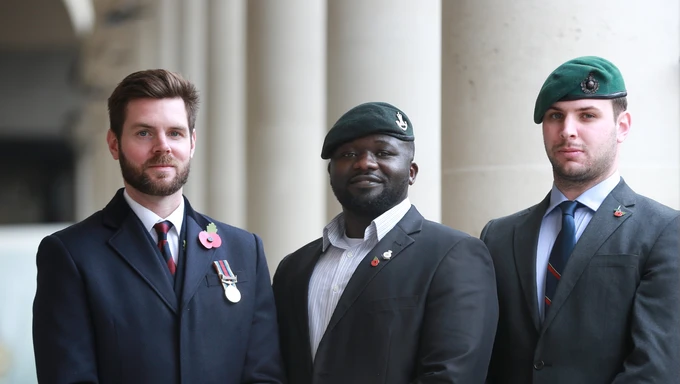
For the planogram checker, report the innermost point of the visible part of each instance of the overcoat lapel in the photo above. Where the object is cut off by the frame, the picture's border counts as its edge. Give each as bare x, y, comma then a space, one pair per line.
396, 240
198, 259
132, 242
525, 244
600, 228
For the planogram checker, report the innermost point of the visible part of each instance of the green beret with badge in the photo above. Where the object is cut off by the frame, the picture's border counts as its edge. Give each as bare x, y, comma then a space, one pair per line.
588, 77
367, 119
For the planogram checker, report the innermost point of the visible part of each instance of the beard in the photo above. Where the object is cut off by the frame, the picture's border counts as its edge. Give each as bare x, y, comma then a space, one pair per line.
137, 178
366, 205
597, 167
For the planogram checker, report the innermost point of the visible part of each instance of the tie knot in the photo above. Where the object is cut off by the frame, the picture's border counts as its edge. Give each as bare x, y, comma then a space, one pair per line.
162, 229
569, 207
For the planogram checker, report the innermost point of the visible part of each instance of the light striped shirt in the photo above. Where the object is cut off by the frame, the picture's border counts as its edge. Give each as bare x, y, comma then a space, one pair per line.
552, 224
340, 258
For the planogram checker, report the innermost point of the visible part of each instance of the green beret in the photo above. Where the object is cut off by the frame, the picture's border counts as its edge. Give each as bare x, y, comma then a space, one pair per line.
588, 77
367, 119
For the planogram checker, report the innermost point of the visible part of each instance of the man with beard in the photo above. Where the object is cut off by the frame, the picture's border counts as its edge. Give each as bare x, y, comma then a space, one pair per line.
384, 296
148, 290
588, 279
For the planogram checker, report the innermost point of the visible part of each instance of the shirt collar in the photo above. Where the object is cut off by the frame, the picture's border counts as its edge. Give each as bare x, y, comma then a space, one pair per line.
379, 227
591, 198
149, 218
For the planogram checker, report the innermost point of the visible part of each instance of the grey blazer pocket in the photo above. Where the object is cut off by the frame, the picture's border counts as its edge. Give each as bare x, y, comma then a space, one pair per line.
212, 279
620, 260
393, 304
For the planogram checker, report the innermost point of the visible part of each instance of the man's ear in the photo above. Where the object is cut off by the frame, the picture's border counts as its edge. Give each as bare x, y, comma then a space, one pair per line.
623, 123
193, 142
413, 172
112, 142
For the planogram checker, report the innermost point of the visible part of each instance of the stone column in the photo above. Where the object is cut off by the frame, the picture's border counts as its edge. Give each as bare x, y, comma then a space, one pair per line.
494, 162
170, 27
224, 103
193, 66
390, 50
97, 175
647, 52
108, 55
286, 120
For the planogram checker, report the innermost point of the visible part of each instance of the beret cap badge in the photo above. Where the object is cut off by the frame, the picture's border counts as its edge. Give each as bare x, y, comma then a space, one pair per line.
590, 85
400, 122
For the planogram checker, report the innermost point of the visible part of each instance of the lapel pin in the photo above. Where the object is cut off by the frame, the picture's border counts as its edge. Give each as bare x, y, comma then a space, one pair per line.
387, 255
618, 212
375, 262
209, 238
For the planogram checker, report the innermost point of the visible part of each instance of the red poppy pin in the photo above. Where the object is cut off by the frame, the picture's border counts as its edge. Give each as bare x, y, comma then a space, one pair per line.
618, 212
209, 238
375, 262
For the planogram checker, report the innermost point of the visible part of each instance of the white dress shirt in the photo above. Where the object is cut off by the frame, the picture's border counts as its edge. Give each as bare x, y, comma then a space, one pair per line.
552, 224
149, 219
340, 258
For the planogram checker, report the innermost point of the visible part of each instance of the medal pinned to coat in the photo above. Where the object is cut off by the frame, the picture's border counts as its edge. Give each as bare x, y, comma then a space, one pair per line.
229, 280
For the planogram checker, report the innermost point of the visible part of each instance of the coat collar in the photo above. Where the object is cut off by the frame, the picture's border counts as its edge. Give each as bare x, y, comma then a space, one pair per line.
310, 255
197, 259
601, 226
132, 242
396, 240
525, 243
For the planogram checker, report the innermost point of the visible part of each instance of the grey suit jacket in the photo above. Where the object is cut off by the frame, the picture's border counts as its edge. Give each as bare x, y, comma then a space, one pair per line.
615, 317
428, 315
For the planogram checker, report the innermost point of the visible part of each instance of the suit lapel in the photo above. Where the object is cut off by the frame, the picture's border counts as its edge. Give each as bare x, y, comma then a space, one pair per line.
525, 245
198, 259
600, 228
396, 240
132, 243
300, 295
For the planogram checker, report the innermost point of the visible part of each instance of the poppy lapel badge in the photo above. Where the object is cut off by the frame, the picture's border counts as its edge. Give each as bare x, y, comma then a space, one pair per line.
618, 212
209, 238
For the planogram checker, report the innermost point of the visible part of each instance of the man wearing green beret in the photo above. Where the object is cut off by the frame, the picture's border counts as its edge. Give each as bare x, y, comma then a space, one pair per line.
588, 279
384, 296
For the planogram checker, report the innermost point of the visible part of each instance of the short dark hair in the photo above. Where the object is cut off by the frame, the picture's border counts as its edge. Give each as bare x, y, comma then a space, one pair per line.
619, 105
151, 84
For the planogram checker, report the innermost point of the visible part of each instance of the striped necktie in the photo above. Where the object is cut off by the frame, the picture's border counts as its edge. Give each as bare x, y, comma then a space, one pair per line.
162, 229
564, 245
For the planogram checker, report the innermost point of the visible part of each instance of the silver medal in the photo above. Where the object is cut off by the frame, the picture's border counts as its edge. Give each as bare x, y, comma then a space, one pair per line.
232, 293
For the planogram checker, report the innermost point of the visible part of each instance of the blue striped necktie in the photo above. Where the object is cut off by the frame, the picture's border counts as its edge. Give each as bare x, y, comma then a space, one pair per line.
564, 245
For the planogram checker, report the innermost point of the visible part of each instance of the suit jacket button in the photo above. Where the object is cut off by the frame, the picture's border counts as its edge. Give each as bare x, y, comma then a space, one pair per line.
539, 365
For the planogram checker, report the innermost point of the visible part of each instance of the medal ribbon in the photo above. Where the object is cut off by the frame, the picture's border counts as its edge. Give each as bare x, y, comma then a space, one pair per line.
224, 270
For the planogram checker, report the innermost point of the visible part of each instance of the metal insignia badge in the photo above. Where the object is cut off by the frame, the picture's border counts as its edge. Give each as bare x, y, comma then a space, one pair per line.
400, 122
590, 85
387, 254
